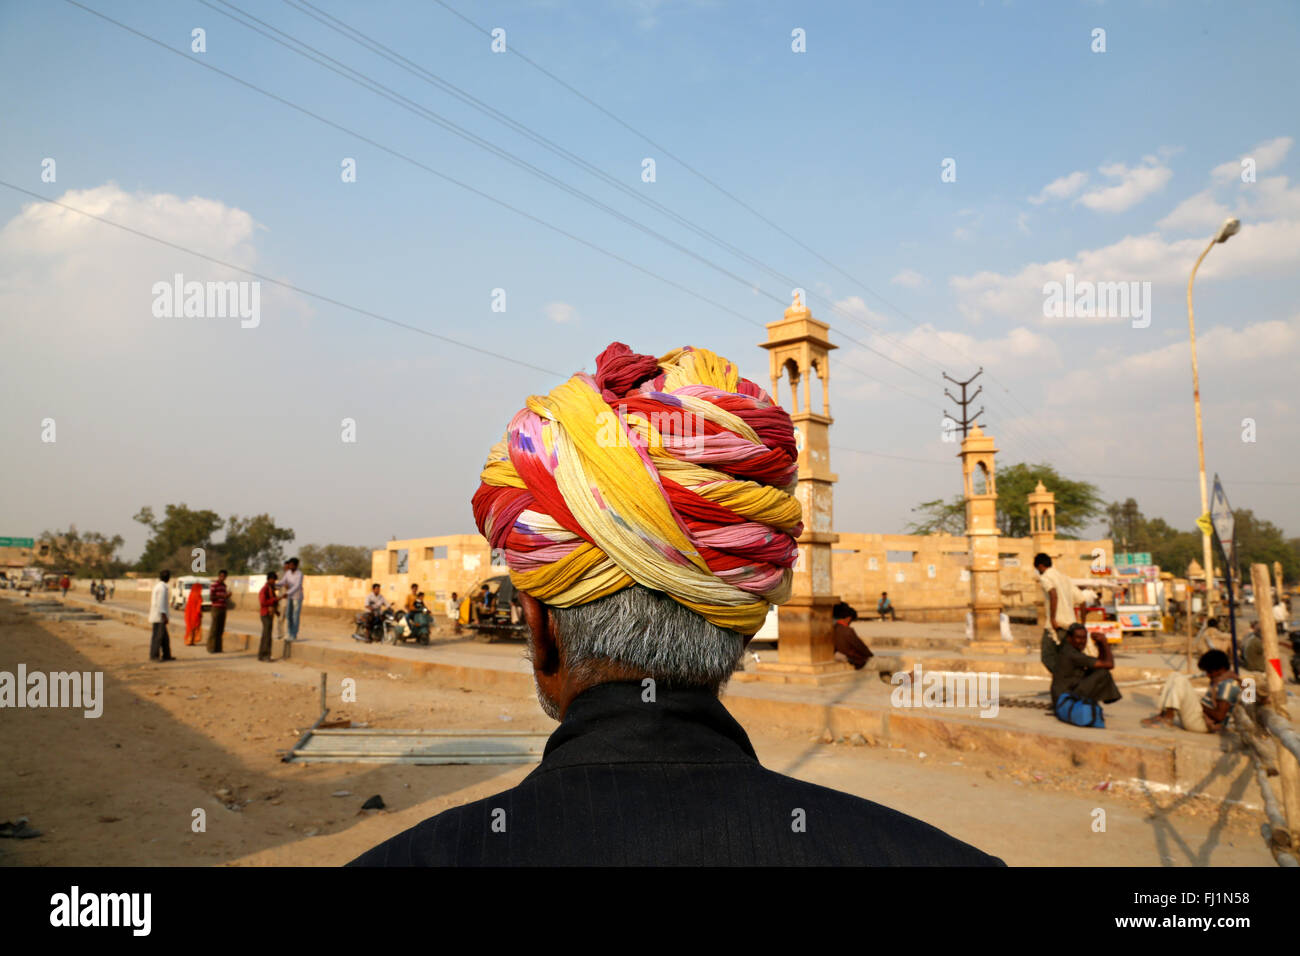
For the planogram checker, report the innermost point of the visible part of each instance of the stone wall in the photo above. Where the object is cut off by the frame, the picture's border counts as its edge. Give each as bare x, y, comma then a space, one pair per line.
934, 585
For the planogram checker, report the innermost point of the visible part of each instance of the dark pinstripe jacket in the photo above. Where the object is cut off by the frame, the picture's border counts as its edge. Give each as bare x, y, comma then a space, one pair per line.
669, 783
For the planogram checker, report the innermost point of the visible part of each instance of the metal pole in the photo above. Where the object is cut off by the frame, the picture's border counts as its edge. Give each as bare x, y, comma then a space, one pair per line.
1287, 765
1200, 437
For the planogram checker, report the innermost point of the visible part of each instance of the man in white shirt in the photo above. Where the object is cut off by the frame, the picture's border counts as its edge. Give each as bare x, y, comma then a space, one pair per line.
1058, 594
291, 583
160, 645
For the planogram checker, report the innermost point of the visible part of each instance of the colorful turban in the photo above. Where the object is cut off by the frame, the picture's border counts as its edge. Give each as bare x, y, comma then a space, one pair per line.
673, 473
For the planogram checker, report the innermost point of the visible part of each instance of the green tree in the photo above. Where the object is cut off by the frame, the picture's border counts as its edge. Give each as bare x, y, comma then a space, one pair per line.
1077, 504
87, 554
940, 517
353, 561
174, 537
1262, 542
253, 544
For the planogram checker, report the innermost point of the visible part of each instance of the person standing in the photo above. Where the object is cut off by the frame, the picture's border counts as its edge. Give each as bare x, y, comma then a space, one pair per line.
160, 645
65, 583
1058, 595
112, 588
194, 614
292, 588
453, 611
280, 624
270, 608
220, 595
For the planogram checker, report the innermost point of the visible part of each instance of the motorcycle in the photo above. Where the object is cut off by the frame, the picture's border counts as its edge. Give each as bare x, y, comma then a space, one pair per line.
373, 628
418, 624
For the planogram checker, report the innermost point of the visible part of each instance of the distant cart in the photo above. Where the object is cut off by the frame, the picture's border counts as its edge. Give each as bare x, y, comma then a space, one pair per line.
506, 619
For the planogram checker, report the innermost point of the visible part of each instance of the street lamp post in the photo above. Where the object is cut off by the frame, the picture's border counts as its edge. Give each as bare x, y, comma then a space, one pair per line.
1227, 230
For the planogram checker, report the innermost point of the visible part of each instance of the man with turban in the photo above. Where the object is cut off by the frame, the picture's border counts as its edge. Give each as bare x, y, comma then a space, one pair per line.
648, 517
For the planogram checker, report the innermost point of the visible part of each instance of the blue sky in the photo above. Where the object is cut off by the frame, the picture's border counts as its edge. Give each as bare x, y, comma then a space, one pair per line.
1112, 166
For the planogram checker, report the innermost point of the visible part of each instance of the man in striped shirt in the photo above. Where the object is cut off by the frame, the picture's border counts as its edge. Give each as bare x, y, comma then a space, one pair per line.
220, 595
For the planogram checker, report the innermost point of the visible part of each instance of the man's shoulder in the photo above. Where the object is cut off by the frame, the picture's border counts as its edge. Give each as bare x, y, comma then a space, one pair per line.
439, 839
785, 820
883, 835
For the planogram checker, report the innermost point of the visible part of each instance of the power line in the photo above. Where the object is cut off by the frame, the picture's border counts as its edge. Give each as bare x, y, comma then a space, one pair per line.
413, 107
513, 49
421, 165
415, 69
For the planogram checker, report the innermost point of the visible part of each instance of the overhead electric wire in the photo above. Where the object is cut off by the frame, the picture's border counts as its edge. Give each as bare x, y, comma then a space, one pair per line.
410, 105
514, 50
410, 66
415, 162
427, 168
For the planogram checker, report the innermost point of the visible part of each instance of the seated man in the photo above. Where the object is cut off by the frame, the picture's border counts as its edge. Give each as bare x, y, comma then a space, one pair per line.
1251, 656
642, 577
1207, 714
885, 607
375, 605
1211, 638
1081, 674
485, 606
849, 648
409, 604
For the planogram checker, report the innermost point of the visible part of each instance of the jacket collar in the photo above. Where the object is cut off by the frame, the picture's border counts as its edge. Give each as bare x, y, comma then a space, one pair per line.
617, 723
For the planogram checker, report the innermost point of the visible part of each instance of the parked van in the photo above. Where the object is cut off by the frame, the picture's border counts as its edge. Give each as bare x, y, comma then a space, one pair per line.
180, 592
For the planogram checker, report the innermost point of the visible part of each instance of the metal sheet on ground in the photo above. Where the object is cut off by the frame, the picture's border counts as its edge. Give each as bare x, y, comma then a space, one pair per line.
426, 747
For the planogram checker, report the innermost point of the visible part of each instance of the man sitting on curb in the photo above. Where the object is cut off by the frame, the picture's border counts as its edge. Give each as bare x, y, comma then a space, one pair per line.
1081, 674
885, 607
1208, 714
849, 648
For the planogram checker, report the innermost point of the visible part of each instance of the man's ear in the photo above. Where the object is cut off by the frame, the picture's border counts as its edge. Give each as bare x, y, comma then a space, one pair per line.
541, 634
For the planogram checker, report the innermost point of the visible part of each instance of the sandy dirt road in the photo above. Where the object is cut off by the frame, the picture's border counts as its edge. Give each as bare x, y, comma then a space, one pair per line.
201, 733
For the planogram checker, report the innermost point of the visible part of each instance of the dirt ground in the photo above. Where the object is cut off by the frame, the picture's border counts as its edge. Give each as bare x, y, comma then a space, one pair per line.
202, 733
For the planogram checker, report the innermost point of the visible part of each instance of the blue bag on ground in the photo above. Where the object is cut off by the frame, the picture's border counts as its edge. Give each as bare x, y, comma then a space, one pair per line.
1079, 711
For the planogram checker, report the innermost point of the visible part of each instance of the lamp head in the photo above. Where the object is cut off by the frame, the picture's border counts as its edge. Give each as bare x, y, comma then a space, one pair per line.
1229, 228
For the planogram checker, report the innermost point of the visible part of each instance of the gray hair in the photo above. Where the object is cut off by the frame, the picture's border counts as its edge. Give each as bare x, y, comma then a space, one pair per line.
649, 632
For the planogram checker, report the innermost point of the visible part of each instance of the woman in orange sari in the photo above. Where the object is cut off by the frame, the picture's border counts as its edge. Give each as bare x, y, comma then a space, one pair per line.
194, 615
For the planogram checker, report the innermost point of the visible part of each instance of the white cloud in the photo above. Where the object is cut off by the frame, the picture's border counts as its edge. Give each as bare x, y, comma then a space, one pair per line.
1201, 212
561, 312
909, 278
1261, 249
1266, 155
1062, 188
855, 307
1135, 184
1220, 349
83, 277
1015, 349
